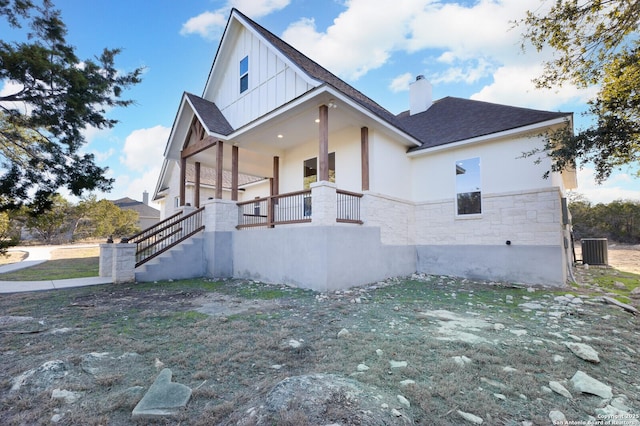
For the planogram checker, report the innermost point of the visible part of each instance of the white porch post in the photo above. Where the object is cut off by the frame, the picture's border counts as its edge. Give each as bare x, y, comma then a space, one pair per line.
323, 203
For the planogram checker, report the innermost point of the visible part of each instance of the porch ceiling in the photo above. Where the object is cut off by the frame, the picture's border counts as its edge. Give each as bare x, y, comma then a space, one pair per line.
260, 141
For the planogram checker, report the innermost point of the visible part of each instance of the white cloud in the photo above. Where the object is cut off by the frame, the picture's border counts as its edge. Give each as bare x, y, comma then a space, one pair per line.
258, 8
143, 148
401, 82
209, 25
361, 38
620, 186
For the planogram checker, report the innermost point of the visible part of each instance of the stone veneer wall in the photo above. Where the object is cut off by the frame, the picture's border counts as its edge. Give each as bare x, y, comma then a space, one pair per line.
394, 217
524, 218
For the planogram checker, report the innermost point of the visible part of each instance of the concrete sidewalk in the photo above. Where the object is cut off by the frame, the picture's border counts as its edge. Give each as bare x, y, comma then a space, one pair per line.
37, 255
25, 286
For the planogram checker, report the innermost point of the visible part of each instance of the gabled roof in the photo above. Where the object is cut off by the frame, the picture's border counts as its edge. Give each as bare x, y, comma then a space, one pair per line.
143, 210
317, 72
210, 115
452, 119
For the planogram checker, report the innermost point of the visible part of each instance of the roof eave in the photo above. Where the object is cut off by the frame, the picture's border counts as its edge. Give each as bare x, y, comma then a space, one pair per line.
566, 119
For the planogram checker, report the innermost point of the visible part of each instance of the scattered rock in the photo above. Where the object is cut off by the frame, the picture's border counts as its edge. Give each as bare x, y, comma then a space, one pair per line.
619, 285
295, 344
531, 306
362, 367
559, 389
557, 417
470, 417
343, 333
163, 398
624, 306
584, 351
518, 332
407, 382
508, 369
379, 352
324, 399
493, 383
461, 360
41, 377
582, 382
397, 364
404, 401
64, 395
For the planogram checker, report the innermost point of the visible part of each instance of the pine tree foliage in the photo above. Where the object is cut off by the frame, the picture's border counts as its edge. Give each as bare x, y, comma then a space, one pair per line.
53, 96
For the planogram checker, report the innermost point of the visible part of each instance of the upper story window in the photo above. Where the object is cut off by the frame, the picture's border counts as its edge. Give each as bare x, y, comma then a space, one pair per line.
244, 74
310, 172
468, 188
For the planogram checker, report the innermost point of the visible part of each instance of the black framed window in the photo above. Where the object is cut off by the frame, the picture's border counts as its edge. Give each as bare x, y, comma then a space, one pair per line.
468, 187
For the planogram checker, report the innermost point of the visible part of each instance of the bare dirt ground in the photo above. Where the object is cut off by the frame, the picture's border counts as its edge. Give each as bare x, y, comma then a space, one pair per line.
450, 348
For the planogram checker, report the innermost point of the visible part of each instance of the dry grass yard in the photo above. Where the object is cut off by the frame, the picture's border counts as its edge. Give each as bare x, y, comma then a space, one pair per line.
451, 348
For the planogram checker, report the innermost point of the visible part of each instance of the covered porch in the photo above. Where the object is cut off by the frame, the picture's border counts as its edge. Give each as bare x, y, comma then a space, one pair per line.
270, 155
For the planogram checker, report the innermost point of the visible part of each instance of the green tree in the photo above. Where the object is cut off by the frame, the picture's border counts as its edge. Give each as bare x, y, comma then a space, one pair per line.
596, 43
102, 218
56, 95
53, 225
618, 221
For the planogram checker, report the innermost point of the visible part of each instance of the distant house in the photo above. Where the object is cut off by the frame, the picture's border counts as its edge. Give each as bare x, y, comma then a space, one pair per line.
147, 215
322, 187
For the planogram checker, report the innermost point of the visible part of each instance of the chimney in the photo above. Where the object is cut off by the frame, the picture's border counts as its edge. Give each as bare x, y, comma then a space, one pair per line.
419, 95
145, 198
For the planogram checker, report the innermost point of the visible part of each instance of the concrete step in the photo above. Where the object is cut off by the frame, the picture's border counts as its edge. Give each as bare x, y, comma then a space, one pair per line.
186, 260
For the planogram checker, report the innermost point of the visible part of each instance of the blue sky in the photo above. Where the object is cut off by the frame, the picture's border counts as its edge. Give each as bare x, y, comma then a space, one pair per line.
465, 48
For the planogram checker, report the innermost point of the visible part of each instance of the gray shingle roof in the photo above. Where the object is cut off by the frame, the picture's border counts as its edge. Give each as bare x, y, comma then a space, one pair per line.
455, 119
211, 115
320, 73
143, 210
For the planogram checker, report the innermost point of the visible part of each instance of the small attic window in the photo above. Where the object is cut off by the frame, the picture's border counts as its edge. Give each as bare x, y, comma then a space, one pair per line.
244, 74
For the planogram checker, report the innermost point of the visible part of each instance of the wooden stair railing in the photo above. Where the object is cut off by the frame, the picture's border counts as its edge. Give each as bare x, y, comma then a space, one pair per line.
166, 234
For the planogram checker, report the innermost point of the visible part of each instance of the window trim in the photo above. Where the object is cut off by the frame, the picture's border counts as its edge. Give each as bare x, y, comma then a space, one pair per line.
479, 191
244, 76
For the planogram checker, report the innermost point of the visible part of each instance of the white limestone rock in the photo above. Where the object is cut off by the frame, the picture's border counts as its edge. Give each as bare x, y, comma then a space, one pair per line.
403, 401
582, 382
397, 364
343, 333
68, 397
362, 367
470, 417
557, 417
559, 389
584, 351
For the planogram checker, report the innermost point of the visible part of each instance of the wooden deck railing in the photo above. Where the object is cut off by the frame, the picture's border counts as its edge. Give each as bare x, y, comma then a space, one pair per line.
166, 234
294, 207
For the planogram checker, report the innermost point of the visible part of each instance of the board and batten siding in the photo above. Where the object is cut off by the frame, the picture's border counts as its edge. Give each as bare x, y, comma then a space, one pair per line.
272, 82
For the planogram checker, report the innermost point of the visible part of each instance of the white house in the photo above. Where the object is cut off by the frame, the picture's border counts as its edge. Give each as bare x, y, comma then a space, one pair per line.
305, 180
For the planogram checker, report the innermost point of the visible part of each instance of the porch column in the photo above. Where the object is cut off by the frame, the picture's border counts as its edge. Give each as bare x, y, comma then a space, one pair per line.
323, 142
234, 173
183, 181
276, 176
219, 152
196, 196
364, 154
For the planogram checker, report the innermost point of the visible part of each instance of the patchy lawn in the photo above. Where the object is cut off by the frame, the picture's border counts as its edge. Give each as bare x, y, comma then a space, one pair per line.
457, 346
